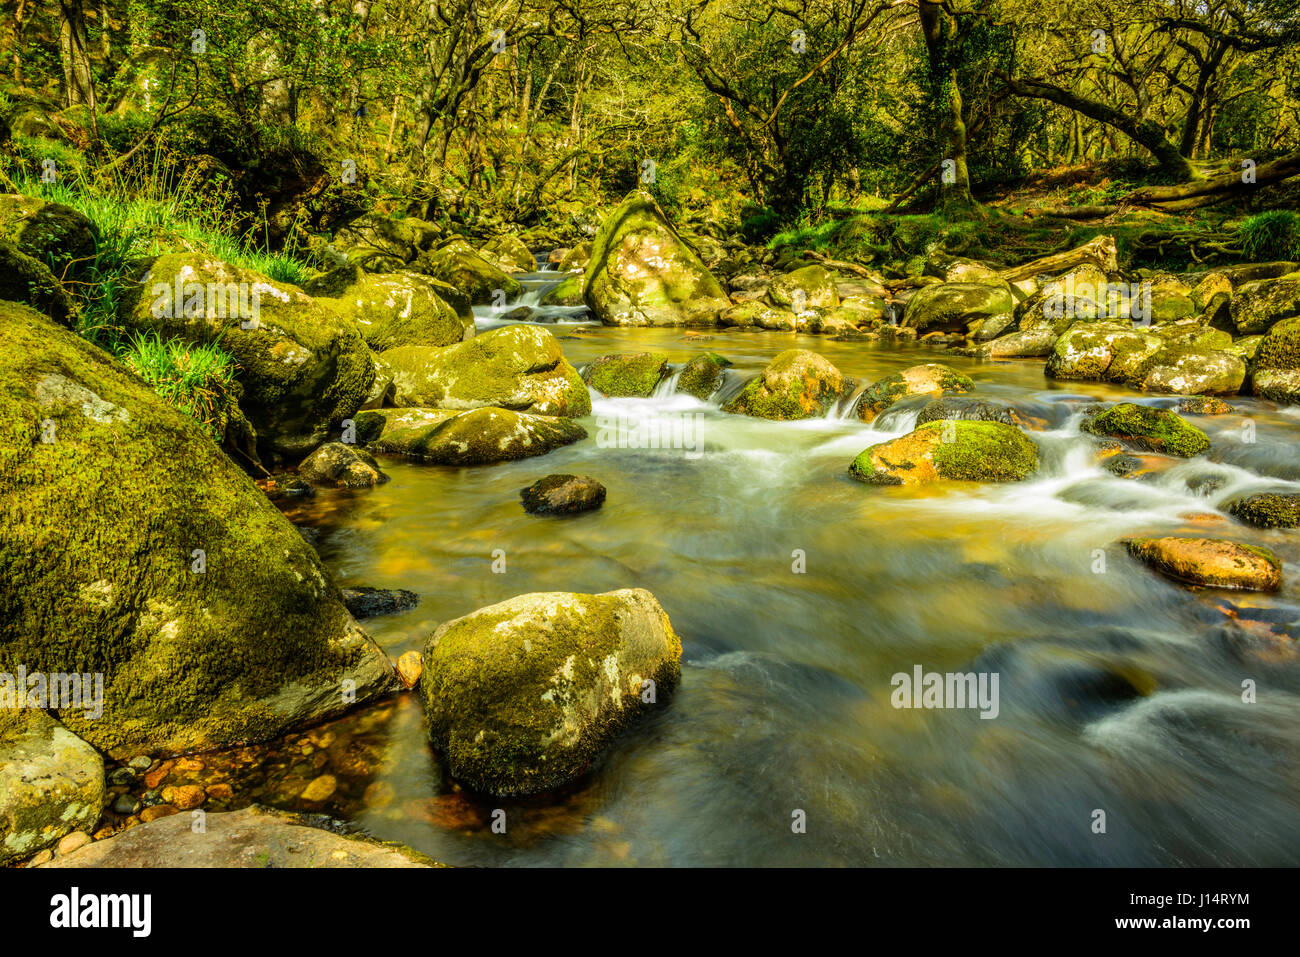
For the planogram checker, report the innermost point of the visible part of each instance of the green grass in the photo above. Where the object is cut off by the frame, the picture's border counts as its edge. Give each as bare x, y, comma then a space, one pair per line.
1271, 236
196, 379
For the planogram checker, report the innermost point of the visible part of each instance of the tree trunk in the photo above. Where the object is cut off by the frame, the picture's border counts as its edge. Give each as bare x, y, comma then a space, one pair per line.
939, 28
79, 85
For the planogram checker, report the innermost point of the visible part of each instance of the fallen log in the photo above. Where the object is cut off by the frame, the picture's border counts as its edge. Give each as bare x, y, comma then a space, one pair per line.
1100, 252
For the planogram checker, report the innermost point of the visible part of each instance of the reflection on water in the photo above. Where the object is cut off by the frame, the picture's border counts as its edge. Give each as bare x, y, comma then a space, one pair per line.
1119, 692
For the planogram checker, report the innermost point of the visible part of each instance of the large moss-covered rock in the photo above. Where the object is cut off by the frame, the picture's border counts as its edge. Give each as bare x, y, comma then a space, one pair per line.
797, 384
960, 450
1029, 343
633, 375
458, 265
405, 309
210, 618
381, 244
1267, 509
1278, 351
933, 378
1188, 370
753, 314
703, 375
1210, 562
515, 367
1157, 430
54, 234
28, 280
1102, 351
982, 310
1258, 306
51, 781
303, 368
809, 287
641, 273
523, 695
340, 465
569, 292
509, 254
477, 437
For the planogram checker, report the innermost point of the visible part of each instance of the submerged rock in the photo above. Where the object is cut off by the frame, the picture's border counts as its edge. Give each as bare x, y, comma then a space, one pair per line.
367, 602
933, 378
523, 695
1267, 509
641, 273
172, 575
563, 495
477, 437
51, 781
342, 466
797, 384
1157, 430
631, 375
250, 837
1203, 405
1210, 561
521, 368
703, 375
950, 449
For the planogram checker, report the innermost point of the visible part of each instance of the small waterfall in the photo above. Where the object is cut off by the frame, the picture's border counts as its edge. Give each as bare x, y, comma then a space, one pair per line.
667, 386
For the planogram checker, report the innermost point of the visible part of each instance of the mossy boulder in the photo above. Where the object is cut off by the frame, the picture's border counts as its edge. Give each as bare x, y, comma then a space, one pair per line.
567, 293
509, 254
1184, 370
1082, 294
210, 618
304, 369
1156, 430
56, 235
522, 696
632, 375
404, 309
575, 258
1258, 306
340, 465
1267, 509
563, 495
958, 450
477, 437
1277, 385
51, 781
809, 287
380, 243
982, 310
459, 266
1210, 562
753, 314
28, 280
703, 375
1019, 345
1101, 351
641, 273
1171, 300
797, 384
515, 367
933, 378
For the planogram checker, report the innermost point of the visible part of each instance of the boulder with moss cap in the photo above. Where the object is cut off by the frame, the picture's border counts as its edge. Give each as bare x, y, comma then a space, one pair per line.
797, 384
477, 437
1145, 427
961, 450
933, 378
522, 696
629, 375
210, 618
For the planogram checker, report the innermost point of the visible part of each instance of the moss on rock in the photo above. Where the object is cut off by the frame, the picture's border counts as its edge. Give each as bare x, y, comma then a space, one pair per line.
477, 437
960, 450
1267, 509
630, 375
459, 266
1157, 430
703, 375
404, 309
797, 384
932, 378
1210, 562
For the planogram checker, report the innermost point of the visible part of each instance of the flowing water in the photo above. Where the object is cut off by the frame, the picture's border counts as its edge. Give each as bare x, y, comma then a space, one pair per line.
799, 593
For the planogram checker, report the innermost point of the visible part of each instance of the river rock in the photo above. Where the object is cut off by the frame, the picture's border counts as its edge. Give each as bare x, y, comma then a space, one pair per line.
563, 495
1275, 369
1210, 562
1101, 351
459, 266
1267, 509
797, 384
509, 254
703, 375
303, 368
51, 781
405, 309
1203, 405
477, 437
1258, 306
379, 243
250, 837
809, 287
956, 450
933, 378
575, 258
964, 408
210, 618
409, 668
1016, 345
630, 375
755, 314
522, 696
364, 601
641, 273
341, 465
981, 310
521, 368
567, 293
1156, 430
1189, 371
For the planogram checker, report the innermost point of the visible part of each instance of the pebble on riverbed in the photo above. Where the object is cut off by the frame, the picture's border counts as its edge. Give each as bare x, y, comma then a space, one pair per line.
563, 495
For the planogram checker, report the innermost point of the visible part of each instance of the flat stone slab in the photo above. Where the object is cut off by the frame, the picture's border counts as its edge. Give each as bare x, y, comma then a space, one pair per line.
250, 837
